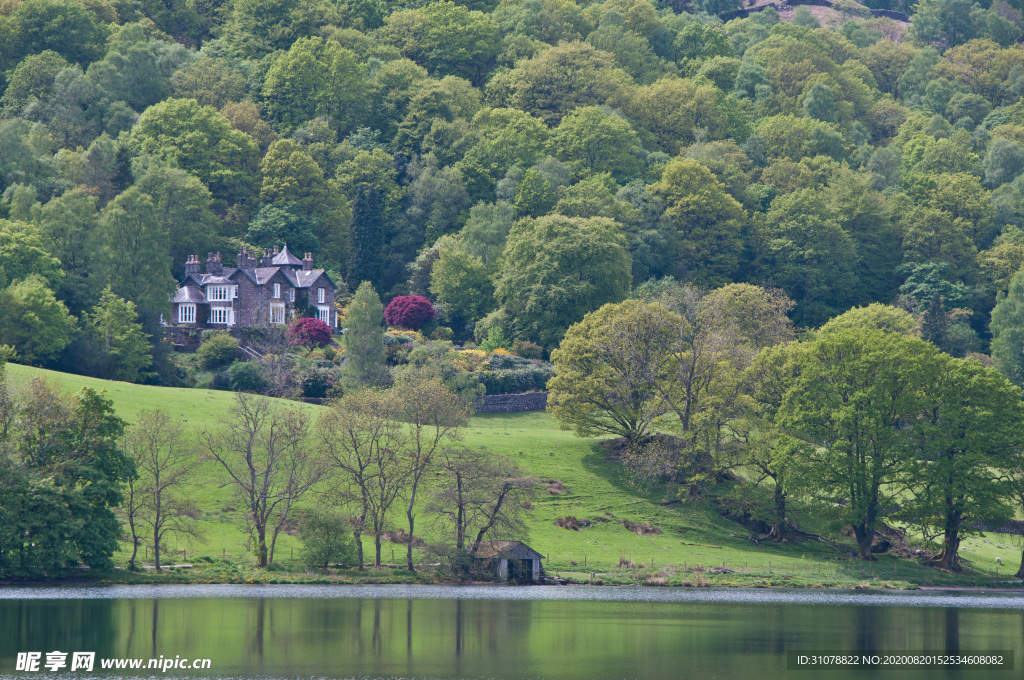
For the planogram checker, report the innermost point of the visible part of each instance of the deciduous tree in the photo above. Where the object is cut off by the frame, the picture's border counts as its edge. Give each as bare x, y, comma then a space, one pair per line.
166, 465
269, 462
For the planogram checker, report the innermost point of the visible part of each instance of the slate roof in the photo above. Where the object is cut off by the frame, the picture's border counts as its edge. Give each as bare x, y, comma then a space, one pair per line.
284, 258
490, 550
189, 294
303, 278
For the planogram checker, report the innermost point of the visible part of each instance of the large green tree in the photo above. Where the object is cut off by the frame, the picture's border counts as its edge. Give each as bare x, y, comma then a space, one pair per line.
705, 224
855, 400
134, 253
555, 269
608, 369
316, 78
967, 445
33, 321
201, 141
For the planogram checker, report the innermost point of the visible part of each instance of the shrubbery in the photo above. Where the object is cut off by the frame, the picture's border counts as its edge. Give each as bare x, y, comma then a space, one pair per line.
326, 539
217, 350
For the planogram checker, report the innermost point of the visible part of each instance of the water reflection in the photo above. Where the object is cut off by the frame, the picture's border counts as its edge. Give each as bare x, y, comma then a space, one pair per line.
733, 636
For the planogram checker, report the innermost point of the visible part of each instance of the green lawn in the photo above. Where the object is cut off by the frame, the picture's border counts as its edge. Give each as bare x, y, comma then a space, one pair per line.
691, 534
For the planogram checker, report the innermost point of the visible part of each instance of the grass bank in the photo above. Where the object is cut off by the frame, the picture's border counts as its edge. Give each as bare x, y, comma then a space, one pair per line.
624, 537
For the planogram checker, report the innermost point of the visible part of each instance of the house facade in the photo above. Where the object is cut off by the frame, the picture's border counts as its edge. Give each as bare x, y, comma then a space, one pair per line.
271, 290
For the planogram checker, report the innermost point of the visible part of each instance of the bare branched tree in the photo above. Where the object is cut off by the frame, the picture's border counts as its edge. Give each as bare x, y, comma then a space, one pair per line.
165, 465
480, 494
360, 439
265, 451
433, 415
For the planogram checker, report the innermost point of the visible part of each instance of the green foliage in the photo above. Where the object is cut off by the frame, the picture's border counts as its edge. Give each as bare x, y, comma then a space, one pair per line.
134, 252
201, 141
446, 38
23, 253
808, 255
460, 282
120, 350
326, 539
33, 321
602, 382
1008, 332
706, 223
853, 390
246, 376
316, 78
364, 341
556, 269
217, 350
62, 483
63, 26
593, 141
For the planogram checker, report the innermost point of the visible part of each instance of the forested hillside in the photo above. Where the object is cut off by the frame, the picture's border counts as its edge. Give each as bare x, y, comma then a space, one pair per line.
520, 163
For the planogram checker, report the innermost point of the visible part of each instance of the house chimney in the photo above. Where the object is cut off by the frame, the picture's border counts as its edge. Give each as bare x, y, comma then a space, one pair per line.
267, 260
214, 266
246, 260
307, 261
192, 265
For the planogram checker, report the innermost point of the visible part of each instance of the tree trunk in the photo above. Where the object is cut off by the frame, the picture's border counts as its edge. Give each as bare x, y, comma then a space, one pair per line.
408, 550
376, 545
135, 543
261, 550
358, 534
156, 550
778, 531
460, 521
950, 543
1020, 572
865, 537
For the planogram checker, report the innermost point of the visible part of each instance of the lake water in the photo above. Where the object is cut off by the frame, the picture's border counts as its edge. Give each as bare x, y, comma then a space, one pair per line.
517, 633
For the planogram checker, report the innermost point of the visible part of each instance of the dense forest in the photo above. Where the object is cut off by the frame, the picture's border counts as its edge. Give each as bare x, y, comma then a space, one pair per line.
786, 246
518, 163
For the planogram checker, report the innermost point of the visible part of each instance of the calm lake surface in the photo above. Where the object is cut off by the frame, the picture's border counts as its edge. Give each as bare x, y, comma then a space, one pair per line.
570, 633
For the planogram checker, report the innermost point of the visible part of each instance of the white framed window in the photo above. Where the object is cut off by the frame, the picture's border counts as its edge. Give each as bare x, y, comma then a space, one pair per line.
291, 295
277, 312
320, 295
186, 313
277, 291
219, 293
324, 314
222, 315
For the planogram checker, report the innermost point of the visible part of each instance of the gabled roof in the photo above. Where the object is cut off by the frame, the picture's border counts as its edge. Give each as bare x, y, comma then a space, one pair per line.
189, 294
491, 550
304, 278
284, 258
209, 280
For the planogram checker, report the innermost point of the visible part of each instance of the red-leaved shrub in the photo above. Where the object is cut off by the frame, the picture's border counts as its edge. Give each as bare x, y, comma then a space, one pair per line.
409, 311
309, 332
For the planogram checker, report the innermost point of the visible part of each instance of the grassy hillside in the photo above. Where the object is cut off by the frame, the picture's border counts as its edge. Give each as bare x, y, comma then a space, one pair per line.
691, 534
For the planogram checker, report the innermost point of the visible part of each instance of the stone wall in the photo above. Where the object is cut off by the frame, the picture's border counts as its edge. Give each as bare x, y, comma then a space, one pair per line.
510, 403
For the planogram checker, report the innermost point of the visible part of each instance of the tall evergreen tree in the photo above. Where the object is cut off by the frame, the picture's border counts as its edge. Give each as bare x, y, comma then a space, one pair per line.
364, 341
934, 323
1008, 331
367, 233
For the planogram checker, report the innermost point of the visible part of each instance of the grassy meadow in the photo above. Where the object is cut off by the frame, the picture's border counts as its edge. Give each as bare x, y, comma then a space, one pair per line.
578, 480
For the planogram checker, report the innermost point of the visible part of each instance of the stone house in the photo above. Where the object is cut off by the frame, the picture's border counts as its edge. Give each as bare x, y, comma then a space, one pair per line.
271, 290
509, 561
